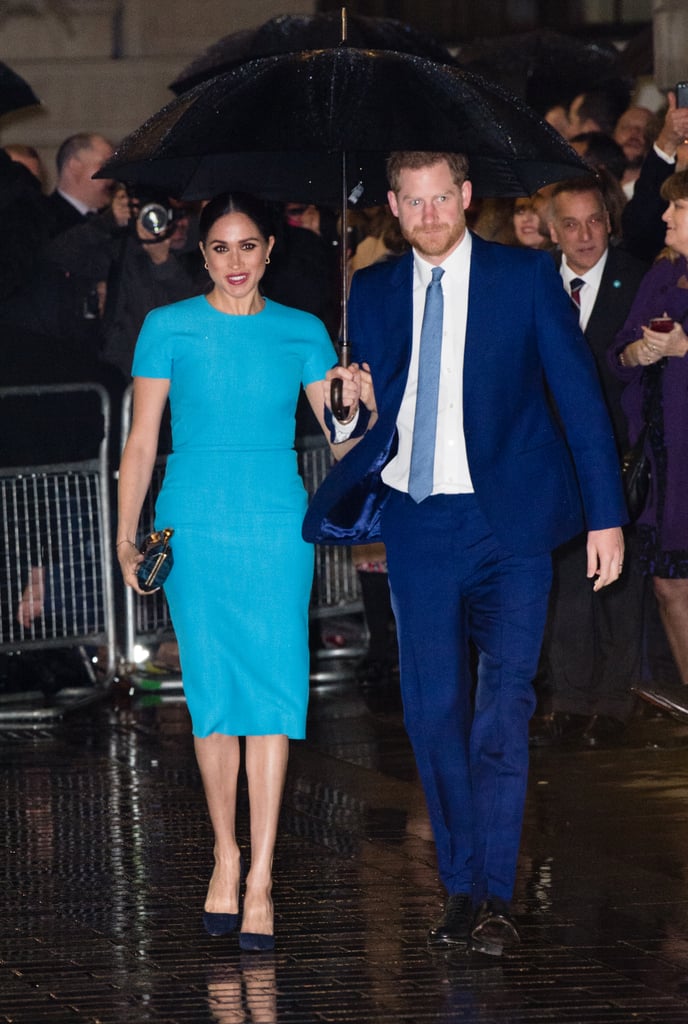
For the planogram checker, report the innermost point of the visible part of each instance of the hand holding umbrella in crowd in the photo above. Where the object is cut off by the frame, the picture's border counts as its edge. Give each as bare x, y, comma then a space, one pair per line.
317, 127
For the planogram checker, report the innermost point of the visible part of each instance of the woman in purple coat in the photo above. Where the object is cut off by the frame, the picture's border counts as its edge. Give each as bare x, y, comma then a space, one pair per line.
654, 365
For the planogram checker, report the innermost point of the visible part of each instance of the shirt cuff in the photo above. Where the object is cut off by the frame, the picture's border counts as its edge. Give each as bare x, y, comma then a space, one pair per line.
343, 431
664, 156
340, 432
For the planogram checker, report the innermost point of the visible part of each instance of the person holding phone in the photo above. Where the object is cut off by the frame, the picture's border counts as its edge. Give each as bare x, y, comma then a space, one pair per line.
641, 220
652, 363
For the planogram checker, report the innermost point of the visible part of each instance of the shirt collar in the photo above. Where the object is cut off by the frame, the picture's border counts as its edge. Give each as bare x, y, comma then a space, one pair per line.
457, 264
80, 207
592, 276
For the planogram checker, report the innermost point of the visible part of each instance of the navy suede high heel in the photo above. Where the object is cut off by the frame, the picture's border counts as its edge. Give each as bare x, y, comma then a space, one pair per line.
224, 924
220, 924
254, 942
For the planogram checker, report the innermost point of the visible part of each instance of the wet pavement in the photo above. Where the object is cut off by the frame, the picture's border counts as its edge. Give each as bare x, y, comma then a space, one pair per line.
107, 853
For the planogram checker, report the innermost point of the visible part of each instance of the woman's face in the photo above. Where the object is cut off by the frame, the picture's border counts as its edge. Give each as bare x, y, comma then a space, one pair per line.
235, 252
676, 220
527, 224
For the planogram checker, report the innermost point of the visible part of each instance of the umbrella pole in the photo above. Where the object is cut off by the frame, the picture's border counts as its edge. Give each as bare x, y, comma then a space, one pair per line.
339, 411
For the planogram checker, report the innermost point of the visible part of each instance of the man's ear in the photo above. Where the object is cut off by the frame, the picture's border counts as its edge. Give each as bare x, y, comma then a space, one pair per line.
393, 204
466, 194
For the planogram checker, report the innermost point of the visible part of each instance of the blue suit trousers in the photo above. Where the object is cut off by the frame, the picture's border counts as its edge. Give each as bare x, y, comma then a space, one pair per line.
454, 585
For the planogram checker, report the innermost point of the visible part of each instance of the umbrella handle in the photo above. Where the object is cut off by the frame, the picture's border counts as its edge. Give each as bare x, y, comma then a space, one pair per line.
339, 411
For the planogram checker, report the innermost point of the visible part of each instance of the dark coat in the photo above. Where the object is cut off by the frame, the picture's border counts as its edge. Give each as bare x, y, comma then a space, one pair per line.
618, 288
521, 331
62, 215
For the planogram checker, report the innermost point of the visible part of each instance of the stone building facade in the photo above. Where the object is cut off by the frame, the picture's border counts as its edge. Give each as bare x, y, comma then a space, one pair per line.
105, 65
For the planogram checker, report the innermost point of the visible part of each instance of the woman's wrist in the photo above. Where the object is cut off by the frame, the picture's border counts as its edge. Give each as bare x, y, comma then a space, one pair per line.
125, 540
628, 356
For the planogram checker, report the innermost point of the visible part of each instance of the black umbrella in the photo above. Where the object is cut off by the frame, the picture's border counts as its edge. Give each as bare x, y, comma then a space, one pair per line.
279, 126
290, 33
15, 93
542, 67
317, 126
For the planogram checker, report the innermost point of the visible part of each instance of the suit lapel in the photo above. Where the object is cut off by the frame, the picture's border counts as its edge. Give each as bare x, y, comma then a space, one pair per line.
483, 288
398, 332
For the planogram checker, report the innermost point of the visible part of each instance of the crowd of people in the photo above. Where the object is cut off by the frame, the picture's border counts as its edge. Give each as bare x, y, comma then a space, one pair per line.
544, 603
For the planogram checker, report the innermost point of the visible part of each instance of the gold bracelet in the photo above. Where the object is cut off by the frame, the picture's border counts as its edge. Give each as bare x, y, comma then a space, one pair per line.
126, 541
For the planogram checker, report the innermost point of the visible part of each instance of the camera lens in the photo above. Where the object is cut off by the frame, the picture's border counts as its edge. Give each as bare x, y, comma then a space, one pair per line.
154, 218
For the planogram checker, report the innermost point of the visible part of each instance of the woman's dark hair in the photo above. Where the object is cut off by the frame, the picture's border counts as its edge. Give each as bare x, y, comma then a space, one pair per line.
236, 202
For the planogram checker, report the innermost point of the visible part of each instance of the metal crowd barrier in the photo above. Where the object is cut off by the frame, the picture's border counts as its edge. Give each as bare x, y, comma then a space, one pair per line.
335, 594
146, 619
56, 581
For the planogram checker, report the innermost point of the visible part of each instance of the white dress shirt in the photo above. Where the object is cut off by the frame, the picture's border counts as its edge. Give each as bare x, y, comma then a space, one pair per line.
588, 293
451, 473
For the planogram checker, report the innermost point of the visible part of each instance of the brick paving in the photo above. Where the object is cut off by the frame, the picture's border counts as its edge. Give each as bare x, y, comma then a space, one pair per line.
107, 852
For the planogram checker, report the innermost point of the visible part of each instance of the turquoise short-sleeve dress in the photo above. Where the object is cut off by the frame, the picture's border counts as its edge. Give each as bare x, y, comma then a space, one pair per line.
240, 586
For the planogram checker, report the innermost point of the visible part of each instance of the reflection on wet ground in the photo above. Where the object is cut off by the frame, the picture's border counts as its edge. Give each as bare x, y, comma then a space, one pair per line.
108, 852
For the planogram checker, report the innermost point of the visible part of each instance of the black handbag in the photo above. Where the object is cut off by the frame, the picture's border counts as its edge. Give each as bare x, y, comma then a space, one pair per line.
636, 474
157, 560
636, 470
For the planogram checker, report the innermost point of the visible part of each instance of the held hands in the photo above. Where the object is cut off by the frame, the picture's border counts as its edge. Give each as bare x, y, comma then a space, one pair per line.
357, 386
605, 556
654, 345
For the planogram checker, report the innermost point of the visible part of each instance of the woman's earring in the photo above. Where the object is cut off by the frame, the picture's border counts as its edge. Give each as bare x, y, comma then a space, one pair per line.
267, 259
206, 266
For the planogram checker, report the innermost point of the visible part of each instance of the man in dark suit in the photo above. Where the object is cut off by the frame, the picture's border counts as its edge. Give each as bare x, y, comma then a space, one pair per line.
77, 193
471, 561
592, 666
643, 227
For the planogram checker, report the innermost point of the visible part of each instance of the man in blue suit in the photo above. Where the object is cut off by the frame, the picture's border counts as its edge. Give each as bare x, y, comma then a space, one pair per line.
470, 563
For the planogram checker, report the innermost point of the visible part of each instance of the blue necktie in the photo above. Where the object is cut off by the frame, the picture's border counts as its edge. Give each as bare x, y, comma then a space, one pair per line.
425, 422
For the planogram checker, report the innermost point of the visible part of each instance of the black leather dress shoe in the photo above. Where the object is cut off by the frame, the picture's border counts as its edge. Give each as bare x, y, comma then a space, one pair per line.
453, 930
557, 727
667, 696
494, 928
603, 731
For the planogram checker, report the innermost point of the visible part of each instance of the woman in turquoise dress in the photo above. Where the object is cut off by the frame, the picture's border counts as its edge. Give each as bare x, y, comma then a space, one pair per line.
232, 364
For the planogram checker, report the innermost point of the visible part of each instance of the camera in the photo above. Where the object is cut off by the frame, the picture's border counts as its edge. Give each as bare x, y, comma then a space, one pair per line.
152, 210
155, 218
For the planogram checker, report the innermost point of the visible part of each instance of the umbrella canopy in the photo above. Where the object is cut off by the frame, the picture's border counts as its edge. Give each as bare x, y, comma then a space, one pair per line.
542, 67
279, 127
291, 33
15, 93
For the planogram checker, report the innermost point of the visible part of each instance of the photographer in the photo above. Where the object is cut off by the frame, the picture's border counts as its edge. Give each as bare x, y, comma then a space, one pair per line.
145, 273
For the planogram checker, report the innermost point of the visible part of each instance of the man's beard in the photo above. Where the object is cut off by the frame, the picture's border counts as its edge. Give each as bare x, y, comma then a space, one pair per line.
635, 162
437, 242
